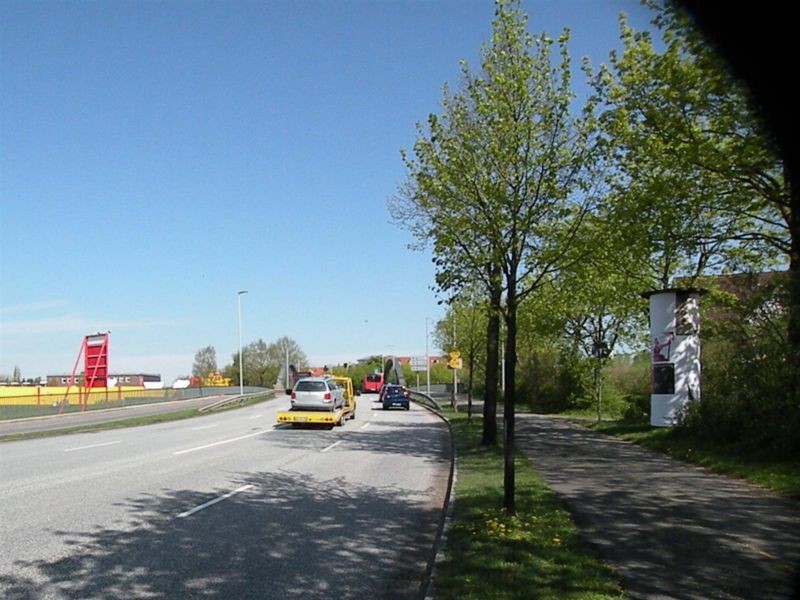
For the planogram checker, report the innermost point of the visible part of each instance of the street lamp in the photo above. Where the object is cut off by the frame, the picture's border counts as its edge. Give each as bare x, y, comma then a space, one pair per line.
427, 357
239, 295
455, 371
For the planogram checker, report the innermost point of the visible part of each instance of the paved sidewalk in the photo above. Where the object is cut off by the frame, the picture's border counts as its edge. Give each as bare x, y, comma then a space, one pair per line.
669, 529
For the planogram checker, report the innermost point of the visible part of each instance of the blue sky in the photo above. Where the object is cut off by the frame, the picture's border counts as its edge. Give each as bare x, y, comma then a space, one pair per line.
157, 157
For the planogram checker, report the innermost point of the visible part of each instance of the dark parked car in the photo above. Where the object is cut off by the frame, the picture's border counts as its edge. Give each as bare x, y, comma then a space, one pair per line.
393, 395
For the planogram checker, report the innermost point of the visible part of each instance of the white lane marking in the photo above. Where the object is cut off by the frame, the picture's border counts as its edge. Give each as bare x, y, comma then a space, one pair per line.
228, 441
258, 416
365, 425
203, 427
92, 446
214, 501
333, 445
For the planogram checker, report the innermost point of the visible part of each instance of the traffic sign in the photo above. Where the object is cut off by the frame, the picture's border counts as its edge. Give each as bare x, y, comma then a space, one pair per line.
455, 363
418, 363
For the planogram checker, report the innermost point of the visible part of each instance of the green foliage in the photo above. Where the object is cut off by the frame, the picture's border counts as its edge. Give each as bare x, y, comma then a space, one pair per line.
499, 178
695, 185
554, 379
626, 392
262, 362
357, 371
747, 398
467, 318
205, 362
500, 181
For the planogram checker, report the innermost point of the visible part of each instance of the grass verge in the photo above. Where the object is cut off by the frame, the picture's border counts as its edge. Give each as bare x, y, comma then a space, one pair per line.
536, 554
132, 421
781, 475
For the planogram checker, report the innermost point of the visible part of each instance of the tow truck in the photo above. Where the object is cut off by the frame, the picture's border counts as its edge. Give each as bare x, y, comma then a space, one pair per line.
327, 417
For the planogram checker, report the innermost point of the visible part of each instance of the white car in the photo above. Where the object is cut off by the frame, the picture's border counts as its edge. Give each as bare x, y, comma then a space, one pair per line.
317, 393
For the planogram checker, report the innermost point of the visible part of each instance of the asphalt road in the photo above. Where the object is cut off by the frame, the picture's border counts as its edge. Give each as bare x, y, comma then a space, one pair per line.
225, 506
669, 529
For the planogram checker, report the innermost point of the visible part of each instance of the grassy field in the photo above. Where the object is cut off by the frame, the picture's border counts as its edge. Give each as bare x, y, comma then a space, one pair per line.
536, 554
781, 475
24, 411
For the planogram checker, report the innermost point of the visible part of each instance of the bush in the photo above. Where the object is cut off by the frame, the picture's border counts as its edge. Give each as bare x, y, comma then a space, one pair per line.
627, 387
747, 398
553, 380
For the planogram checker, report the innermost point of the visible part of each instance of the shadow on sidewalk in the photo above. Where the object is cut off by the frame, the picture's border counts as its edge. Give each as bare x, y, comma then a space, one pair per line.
670, 529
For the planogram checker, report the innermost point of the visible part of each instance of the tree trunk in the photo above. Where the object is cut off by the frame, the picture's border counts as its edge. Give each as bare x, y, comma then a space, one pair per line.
793, 333
509, 485
492, 359
470, 379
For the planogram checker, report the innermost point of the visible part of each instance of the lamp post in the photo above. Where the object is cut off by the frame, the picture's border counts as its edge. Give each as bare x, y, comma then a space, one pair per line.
427, 358
286, 385
455, 371
239, 295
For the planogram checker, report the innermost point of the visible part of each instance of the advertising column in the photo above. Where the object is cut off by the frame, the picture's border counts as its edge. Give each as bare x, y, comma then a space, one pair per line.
675, 353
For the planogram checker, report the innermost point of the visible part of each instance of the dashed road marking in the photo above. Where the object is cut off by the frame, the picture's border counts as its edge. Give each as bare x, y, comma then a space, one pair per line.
333, 445
92, 446
219, 443
214, 501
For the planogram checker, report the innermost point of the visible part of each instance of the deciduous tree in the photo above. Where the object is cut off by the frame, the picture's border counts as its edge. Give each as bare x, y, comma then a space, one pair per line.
205, 362
499, 180
698, 186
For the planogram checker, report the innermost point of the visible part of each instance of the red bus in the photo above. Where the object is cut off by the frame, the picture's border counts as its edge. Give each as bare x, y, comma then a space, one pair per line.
372, 383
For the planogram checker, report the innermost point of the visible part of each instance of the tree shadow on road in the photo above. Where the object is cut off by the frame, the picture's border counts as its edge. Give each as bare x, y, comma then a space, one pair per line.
289, 535
426, 440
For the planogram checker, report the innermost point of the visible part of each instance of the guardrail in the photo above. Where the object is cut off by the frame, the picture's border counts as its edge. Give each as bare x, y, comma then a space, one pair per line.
425, 400
265, 395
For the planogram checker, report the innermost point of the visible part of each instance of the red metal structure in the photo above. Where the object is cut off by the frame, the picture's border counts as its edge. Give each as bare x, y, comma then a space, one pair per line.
95, 362
94, 349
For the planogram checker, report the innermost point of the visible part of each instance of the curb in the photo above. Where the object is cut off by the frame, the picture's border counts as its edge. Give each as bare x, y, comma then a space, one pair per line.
426, 588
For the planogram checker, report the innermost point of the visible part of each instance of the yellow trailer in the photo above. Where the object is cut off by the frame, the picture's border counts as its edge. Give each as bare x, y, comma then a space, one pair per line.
317, 417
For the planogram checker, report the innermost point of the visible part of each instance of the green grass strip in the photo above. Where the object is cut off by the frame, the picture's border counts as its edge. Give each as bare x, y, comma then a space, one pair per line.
536, 554
779, 474
134, 421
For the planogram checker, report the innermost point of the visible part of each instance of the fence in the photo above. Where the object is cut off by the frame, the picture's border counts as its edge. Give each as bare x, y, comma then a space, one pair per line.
18, 403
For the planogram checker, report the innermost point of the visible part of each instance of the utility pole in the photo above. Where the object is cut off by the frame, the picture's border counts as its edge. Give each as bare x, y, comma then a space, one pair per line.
427, 358
239, 295
286, 384
455, 371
